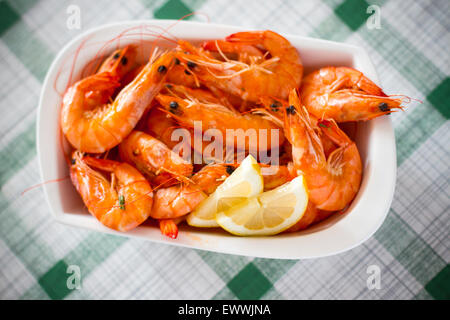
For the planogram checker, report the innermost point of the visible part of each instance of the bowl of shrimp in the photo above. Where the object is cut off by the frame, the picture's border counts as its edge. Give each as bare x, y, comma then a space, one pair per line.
115, 96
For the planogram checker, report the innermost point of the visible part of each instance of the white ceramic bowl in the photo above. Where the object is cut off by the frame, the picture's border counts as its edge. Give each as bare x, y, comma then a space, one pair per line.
339, 233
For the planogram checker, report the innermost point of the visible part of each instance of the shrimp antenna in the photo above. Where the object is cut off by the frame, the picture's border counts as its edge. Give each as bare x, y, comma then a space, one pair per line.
43, 183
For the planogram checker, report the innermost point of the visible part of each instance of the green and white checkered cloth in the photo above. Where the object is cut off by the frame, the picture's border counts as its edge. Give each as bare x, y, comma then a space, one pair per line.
411, 54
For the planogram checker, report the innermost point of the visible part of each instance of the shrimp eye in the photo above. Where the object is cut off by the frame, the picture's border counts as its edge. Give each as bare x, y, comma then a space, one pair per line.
177, 61
230, 169
162, 69
191, 64
73, 161
116, 56
187, 72
274, 107
174, 108
169, 86
383, 107
124, 60
290, 109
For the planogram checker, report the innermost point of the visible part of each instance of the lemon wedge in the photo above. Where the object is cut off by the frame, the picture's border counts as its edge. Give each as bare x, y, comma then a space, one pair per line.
246, 181
268, 213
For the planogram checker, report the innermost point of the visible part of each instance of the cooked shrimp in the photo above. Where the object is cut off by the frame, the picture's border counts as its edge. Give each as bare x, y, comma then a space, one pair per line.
104, 127
344, 94
322, 215
181, 199
307, 219
332, 182
153, 158
123, 202
176, 201
164, 128
215, 116
275, 176
185, 92
213, 96
311, 216
274, 76
161, 126
226, 99
181, 75
211, 176
119, 64
132, 74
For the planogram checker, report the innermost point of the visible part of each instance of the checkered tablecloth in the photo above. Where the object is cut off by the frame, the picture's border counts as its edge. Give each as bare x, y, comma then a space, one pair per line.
411, 53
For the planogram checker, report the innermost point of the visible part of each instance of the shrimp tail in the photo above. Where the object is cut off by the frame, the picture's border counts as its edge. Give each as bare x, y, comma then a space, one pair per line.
168, 228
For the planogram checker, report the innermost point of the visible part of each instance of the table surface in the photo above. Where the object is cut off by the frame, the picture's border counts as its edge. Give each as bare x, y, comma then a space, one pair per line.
411, 250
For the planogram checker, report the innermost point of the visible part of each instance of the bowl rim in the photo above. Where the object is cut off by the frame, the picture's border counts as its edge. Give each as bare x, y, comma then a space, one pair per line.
62, 217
